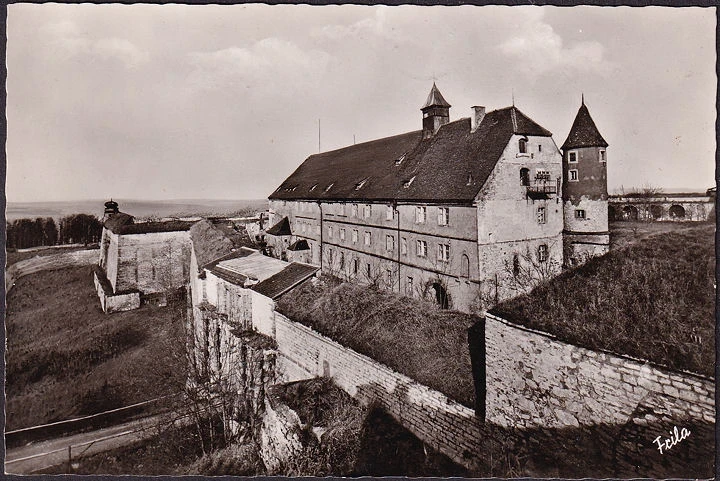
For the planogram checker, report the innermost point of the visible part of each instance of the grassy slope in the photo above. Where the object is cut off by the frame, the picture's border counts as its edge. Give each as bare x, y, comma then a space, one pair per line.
644, 300
65, 357
411, 336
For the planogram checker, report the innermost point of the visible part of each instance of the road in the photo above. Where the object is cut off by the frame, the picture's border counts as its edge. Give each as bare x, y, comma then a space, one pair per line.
55, 261
37, 456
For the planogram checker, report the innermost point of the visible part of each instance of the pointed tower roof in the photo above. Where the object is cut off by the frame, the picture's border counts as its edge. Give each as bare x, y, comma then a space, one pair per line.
435, 99
583, 132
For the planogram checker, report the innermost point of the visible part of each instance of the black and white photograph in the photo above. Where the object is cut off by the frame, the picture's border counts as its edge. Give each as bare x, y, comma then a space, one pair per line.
471, 241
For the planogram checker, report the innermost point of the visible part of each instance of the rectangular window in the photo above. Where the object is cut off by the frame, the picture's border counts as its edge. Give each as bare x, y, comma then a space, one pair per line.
541, 217
341, 209
355, 236
354, 210
302, 226
342, 234
367, 211
389, 274
572, 157
356, 266
539, 148
403, 246
421, 248
443, 215
330, 231
573, 175
342, 260
409, 286
368, 238
389, 213
579, 214
420, 214
542, 252
367, 270
444, 252
317, 229
602, 156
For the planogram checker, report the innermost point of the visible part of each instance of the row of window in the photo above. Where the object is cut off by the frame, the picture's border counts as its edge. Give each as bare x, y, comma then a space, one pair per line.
443, 213
389, 272
573, 157
541, 175
421, 248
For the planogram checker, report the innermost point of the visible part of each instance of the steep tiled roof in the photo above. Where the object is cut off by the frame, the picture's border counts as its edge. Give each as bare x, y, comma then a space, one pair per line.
435, 99
451, 166
215, 240
285, 280
281, 228
583, 132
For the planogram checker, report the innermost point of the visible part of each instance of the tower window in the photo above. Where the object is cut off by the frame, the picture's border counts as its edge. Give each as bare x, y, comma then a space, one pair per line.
579, 213
572, 157
573, 175
539, 148
602, 156
522, 146
542, 252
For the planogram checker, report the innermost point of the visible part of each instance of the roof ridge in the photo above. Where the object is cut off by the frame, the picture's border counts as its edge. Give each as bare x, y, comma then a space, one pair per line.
367, 142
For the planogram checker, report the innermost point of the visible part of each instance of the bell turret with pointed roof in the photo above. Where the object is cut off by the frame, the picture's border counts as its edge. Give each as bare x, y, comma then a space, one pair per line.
583, 132
436, 112
585, 193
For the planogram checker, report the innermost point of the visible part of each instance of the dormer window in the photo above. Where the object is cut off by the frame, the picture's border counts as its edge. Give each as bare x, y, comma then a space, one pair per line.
408, 183
360, 184
400, 159
522, 145
313, 187
329, 187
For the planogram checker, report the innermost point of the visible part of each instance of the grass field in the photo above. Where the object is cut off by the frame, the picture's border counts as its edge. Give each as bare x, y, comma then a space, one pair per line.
412, 336
66, 358
653, 299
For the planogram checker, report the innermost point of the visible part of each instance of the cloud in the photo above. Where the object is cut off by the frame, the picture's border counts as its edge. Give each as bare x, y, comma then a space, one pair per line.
374, 27
69, 42
266, 64
537, 49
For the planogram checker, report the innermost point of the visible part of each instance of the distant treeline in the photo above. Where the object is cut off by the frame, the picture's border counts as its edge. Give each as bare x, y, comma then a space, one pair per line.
43, 231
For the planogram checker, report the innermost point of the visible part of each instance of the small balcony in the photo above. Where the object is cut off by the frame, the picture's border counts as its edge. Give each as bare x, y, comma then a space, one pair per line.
541, 190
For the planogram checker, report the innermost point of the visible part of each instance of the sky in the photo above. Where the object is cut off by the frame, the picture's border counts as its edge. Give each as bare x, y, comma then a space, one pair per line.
222, 102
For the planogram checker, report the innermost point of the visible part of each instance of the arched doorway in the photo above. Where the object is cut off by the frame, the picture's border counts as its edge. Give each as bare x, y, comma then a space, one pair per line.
441, 296
656, 211
677, 211
612, 213
630, 212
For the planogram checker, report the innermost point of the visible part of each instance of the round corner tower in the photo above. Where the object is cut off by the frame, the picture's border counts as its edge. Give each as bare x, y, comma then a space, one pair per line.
585, 193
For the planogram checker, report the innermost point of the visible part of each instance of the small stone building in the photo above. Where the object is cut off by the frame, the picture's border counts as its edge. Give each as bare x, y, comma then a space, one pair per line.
141, 262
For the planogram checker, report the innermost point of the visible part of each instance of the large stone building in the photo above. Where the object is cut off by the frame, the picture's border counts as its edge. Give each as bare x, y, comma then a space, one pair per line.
468, 212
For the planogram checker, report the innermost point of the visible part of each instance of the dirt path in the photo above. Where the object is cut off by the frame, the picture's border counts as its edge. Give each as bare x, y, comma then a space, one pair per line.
55, 261
37, 456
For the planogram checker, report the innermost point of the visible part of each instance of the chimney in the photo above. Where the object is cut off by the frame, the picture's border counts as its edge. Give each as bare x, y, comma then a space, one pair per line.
478, 116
